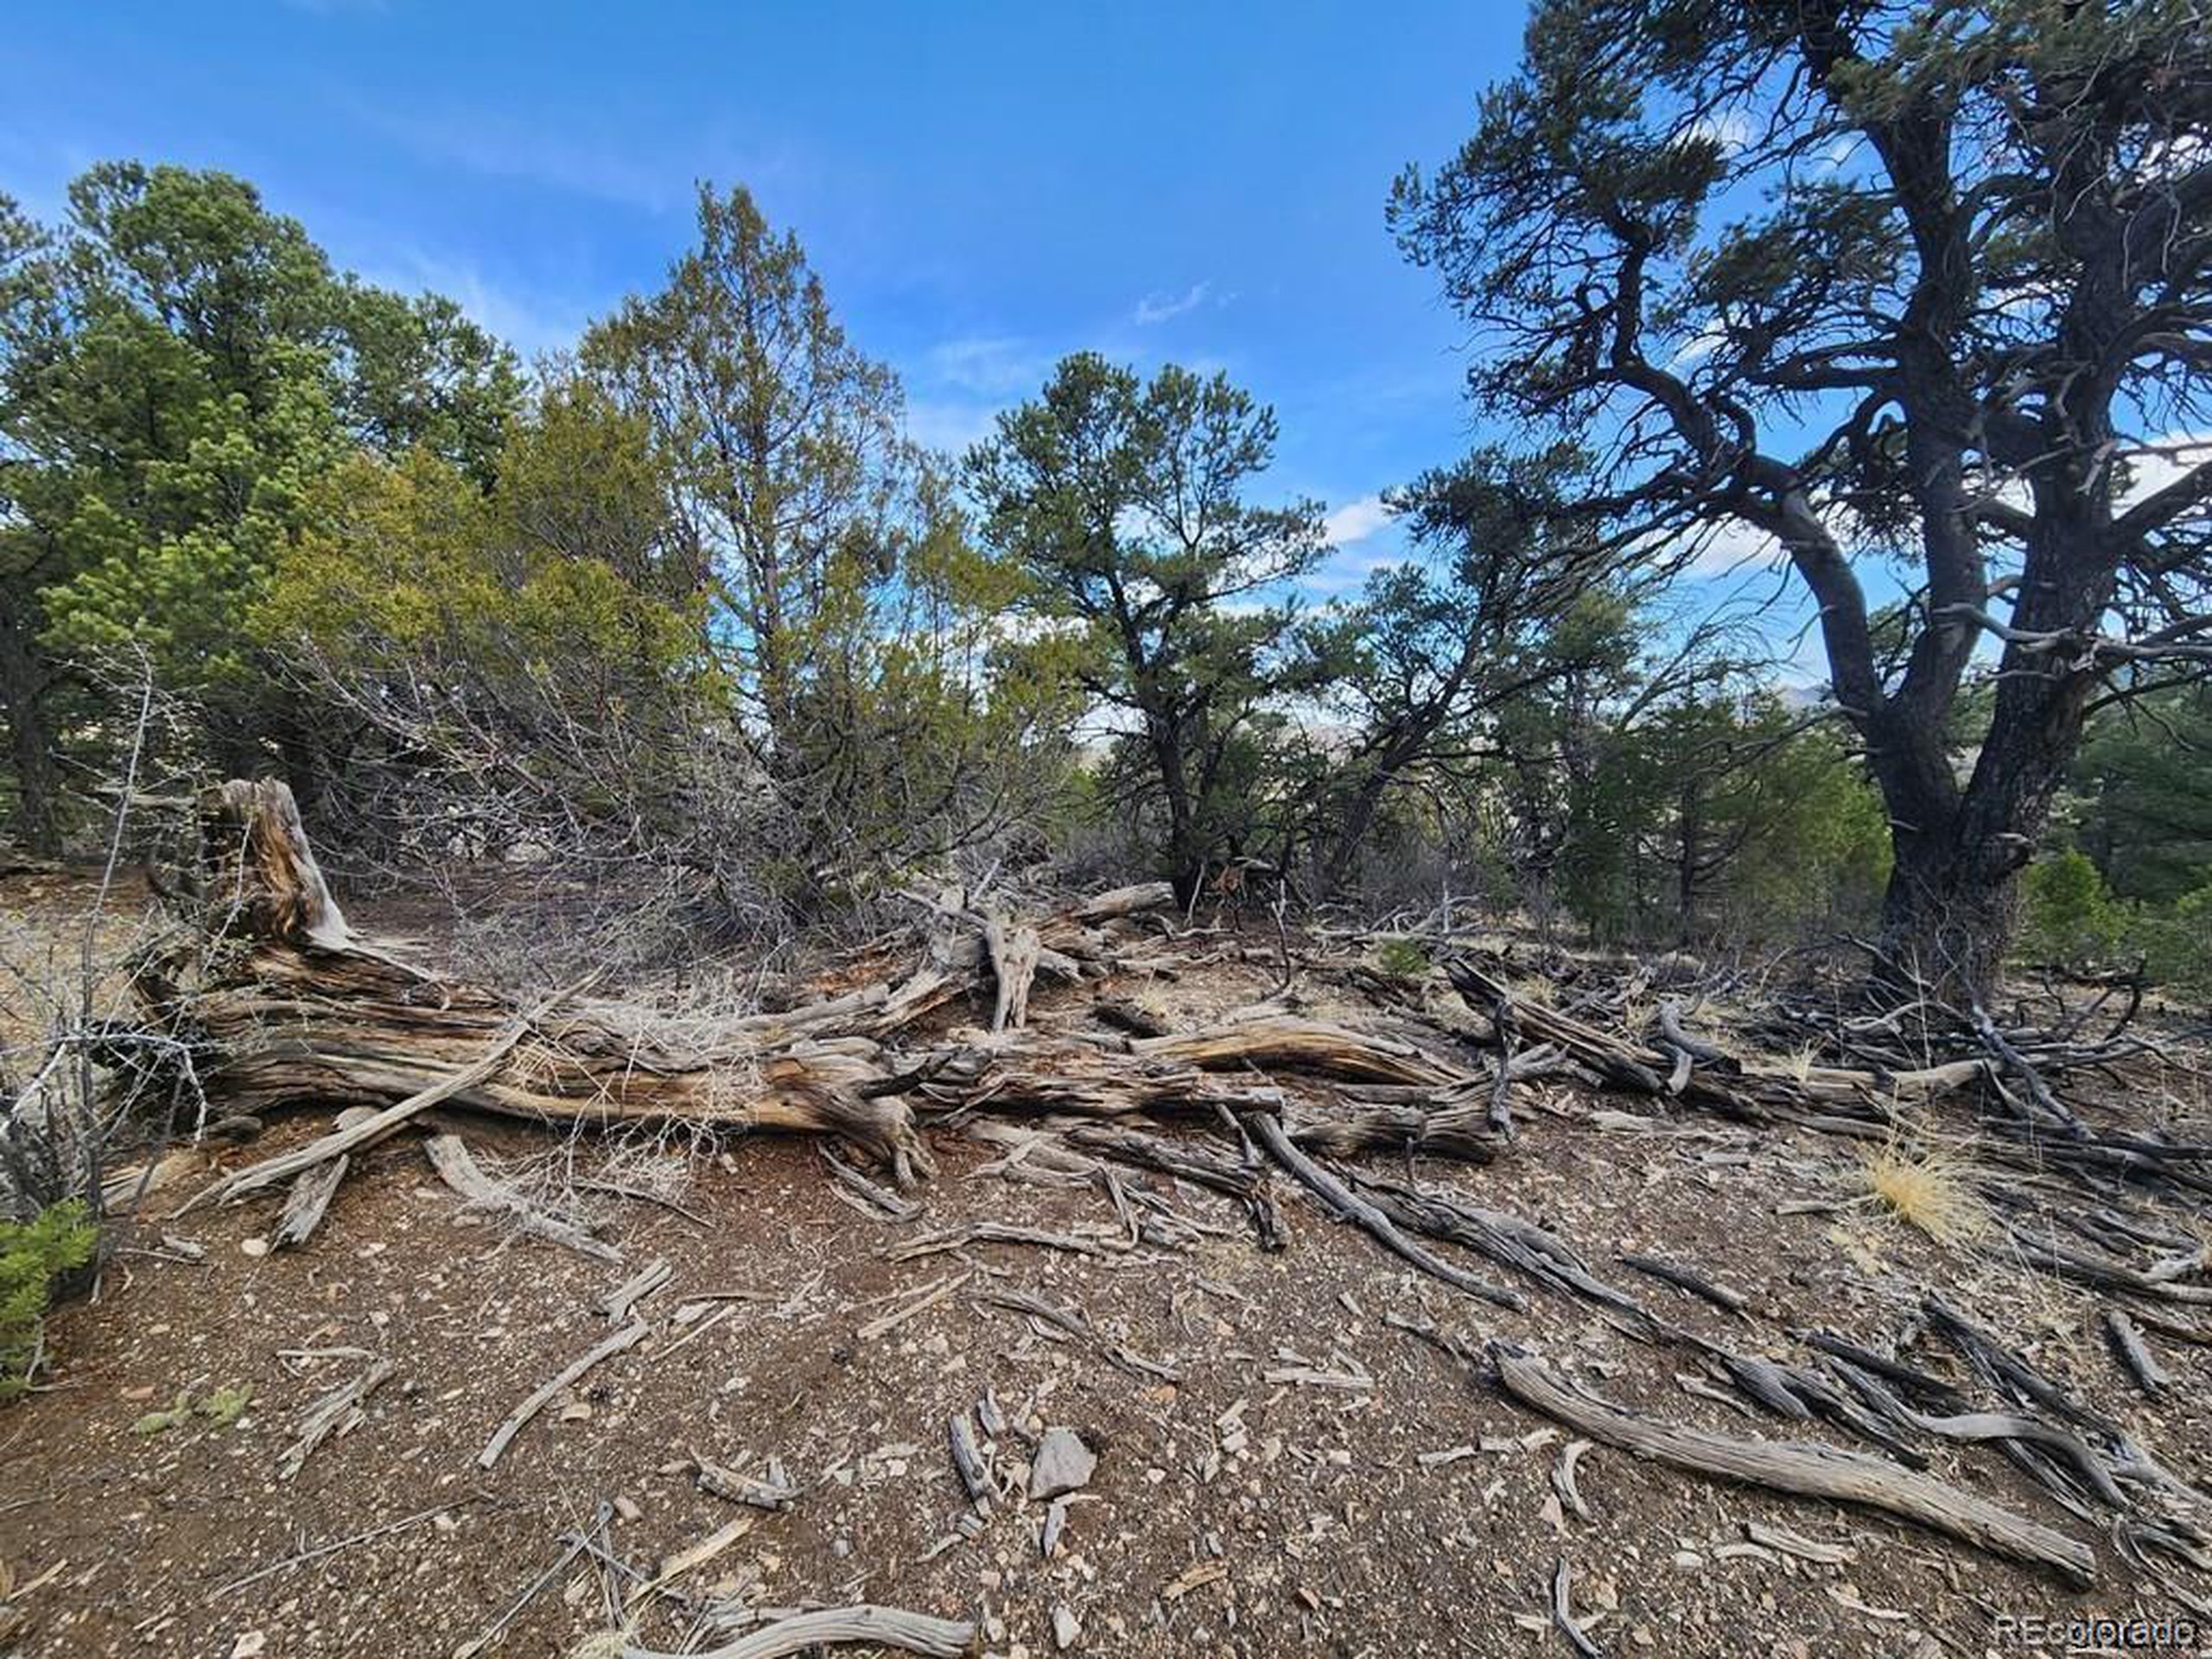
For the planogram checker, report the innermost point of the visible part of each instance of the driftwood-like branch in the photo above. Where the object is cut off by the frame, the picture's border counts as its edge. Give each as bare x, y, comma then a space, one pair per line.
629, 1337
1347, 1205
618, 1302
1681, 1278
1563, 1612
2135, 1353
1806, 1469
861, 1625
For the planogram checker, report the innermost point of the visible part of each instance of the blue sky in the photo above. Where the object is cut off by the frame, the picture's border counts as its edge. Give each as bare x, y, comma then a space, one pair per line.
984, 187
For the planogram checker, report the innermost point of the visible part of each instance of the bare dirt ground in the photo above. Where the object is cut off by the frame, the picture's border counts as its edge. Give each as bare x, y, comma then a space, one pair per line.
1279, 1494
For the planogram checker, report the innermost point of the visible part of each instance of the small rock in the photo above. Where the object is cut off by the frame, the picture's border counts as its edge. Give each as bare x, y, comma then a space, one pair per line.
627, 1509
254, 1247
249, 1643
1688, 1560
1065, 1627
1062, 1464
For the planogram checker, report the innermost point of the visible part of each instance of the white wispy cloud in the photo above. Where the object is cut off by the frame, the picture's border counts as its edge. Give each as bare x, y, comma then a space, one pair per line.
581, 154
989, 366
1730, 128
1160, 308
533, 323
949, 425
1356, 521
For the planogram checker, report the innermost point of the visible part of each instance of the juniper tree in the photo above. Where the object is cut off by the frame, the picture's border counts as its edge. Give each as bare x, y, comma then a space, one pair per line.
1918, 288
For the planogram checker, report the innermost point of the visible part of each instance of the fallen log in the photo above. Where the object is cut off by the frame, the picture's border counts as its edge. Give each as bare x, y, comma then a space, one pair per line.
1307, 1046
292, 1005
1805, 1469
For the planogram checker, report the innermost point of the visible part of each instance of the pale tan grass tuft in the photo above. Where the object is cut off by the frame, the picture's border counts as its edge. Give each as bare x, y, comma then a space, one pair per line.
1932, 1189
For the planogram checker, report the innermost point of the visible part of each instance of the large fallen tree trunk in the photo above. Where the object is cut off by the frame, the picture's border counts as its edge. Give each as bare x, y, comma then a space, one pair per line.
291, 1005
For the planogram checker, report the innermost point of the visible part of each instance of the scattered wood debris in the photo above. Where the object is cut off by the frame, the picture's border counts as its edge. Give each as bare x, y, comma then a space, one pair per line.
629, 1337
334, 1414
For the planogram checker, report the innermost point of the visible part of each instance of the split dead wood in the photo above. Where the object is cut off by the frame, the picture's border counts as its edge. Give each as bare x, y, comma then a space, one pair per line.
864, 1624
619, 1301
774, 1491
1127, 1017
1563, 1612
879, 1200
968, 1460
1570, 1494
1510, 1242
1014, 950
336, 1412
1803, 1468
307, 1203
1000, 1232
938, 1293
2135, 1354
1283, 1042
1192, 1161
366, 1131
629, 1337
1075, 1323
1681, 1278
1778, 1537
458, 1168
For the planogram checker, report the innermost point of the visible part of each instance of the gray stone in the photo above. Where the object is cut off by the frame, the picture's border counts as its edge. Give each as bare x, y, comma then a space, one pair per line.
1065, 1627
1062, 1464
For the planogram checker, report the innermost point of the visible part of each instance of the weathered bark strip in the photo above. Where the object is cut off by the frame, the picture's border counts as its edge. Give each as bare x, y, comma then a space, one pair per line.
308, 1202
865, 1625
1805, 1469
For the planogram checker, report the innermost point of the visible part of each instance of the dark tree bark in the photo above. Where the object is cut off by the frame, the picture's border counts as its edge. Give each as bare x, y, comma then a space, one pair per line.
27, 686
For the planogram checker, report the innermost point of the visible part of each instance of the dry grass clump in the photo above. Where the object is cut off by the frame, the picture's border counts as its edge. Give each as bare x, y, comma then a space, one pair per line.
1933, 1189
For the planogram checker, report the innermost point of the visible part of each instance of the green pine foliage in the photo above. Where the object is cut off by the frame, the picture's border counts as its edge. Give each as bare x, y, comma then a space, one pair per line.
33, 1254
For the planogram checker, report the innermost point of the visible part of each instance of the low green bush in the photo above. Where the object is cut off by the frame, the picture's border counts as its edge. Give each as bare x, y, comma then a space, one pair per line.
2069, 918
33, 1254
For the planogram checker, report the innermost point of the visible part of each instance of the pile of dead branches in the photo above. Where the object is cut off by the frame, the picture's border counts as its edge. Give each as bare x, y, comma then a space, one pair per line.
282, 1002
